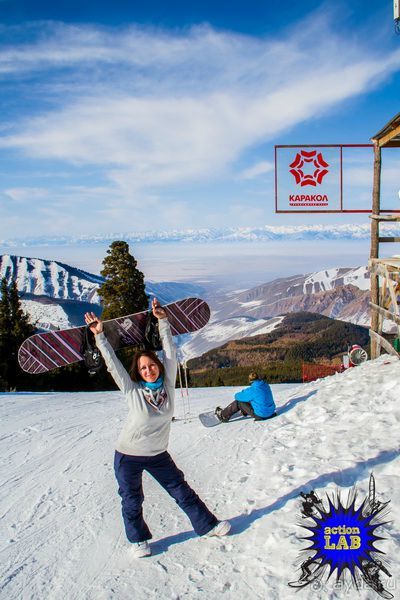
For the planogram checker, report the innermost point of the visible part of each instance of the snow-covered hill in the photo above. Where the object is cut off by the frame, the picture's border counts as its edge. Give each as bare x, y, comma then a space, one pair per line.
57, 295
38, 277
52, 279
61, 531
228, 329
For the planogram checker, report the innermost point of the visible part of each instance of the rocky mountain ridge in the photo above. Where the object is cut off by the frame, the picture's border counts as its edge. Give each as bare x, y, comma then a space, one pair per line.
56, 295
341, 293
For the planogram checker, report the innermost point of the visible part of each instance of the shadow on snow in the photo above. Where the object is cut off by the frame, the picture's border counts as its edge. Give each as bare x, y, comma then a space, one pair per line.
347, 477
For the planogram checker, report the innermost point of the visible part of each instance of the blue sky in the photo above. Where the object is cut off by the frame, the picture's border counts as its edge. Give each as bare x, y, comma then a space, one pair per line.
125, 116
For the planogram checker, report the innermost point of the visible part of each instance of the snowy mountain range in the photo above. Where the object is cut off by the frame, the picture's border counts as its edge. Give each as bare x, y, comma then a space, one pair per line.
57, 295
340, 293
337, 293
207, 235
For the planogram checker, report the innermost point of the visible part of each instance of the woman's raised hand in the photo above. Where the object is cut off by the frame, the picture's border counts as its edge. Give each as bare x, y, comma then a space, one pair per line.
158, 310
94, 323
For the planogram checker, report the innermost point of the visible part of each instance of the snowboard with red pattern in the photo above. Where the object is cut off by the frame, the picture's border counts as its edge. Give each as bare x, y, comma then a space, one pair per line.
53, 349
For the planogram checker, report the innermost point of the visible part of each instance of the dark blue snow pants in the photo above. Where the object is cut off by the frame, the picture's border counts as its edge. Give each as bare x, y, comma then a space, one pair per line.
128, 471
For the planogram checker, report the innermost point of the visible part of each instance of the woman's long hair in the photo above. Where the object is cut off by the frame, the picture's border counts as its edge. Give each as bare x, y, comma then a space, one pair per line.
134, 370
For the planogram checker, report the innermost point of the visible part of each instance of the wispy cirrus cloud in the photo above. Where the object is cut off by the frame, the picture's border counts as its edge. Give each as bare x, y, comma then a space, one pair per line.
153, 109
260, 168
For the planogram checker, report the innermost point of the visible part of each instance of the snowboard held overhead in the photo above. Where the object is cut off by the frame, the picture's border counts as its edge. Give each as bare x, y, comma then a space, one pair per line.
44, 352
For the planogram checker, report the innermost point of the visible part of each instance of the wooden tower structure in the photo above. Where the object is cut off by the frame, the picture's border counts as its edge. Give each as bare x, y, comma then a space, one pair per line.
385, 272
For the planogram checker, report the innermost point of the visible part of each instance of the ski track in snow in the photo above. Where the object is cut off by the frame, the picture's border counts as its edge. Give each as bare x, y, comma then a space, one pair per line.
61, 529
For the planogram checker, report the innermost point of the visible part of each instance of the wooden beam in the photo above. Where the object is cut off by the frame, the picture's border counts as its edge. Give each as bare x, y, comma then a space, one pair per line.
385, 313
393, 144
381, 341
389, 136
385, 217
391, 262
379, 269
393, 290
376, 201
374, 253
388, 239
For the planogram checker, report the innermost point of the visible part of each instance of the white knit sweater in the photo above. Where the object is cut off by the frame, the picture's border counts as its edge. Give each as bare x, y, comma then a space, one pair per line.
146, 429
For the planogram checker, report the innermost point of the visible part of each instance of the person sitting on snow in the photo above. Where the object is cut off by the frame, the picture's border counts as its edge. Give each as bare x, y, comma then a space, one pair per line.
256, 401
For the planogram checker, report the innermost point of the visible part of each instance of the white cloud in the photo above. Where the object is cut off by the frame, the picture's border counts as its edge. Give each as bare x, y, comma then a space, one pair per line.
176, 131
21, 195
162, 140
152, 109
260, 168
363, 176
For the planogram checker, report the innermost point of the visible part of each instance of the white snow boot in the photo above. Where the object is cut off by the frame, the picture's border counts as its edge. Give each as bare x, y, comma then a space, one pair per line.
140, 549
222, 528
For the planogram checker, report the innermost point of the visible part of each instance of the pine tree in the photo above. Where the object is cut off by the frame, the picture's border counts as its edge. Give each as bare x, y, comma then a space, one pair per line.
5, 334
14, 329
123, 291
21, 329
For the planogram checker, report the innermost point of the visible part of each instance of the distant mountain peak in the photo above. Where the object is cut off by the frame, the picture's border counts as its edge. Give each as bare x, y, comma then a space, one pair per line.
40, 277
344, 231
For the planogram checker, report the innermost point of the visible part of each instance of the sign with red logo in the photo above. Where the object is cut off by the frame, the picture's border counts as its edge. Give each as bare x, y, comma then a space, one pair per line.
308, 179
331, 179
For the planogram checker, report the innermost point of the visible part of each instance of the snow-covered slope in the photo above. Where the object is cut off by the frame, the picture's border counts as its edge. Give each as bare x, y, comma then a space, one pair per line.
40, 277
330, 279
226, 330
61, 531
49, 289
46, 316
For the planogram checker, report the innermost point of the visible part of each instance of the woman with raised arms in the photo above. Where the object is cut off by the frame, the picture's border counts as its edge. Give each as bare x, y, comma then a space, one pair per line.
149, 391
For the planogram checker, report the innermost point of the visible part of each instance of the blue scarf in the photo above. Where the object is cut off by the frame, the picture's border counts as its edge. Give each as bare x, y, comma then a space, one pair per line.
155, 385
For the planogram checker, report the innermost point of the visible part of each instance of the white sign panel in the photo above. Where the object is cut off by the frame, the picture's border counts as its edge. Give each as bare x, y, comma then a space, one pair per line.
308, 178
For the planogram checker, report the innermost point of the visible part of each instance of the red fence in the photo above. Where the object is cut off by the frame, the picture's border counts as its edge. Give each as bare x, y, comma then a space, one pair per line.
312, 371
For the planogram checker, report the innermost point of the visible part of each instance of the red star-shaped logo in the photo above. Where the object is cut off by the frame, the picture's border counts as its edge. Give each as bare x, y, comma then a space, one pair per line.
313, 159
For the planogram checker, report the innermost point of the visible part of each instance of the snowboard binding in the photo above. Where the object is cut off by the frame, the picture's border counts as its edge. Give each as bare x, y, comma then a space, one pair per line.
91, 354
152, 340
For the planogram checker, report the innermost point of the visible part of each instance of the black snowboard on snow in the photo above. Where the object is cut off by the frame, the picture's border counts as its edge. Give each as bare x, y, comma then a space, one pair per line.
210, 419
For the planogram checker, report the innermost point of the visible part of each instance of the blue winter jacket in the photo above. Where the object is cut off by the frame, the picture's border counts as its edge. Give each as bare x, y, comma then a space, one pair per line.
259, 395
